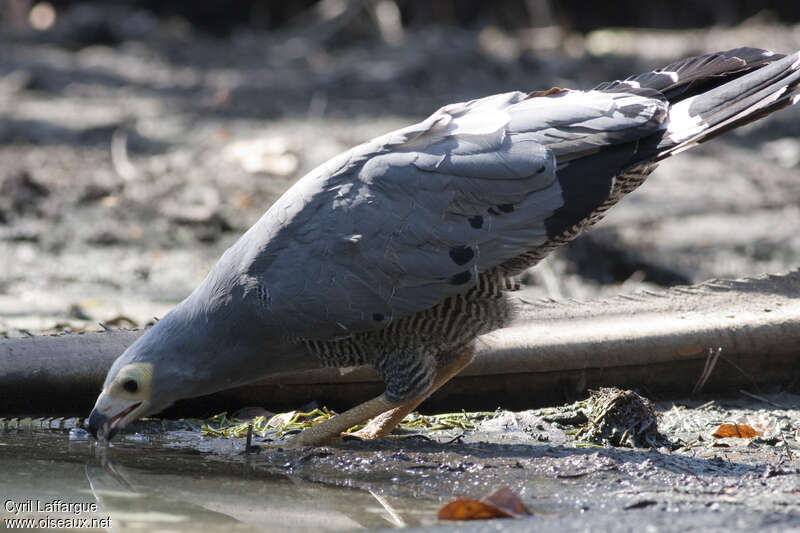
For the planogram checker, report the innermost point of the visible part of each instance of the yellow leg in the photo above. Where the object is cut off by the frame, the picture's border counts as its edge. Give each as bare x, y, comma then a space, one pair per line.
383, 424
385, 413
332, 428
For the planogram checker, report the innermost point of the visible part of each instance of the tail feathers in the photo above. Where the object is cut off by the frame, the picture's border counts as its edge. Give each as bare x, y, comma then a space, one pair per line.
695, 75
731, 105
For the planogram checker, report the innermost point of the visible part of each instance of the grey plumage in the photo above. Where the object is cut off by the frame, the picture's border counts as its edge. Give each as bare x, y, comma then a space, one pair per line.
379, 223
398, 252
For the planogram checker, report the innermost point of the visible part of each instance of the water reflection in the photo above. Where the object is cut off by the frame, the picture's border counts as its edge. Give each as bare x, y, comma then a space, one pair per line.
150, 486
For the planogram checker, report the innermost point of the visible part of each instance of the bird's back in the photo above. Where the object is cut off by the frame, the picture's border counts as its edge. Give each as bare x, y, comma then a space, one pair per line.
413, 234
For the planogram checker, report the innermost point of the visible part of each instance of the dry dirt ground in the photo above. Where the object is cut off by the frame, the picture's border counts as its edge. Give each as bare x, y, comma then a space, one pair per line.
127, 168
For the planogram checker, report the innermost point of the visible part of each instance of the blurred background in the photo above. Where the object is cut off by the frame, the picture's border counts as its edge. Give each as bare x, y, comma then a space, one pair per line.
140, 138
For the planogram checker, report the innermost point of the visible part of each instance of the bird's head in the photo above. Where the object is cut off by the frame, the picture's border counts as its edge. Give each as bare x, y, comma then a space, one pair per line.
204, 345
168, 362
127, 395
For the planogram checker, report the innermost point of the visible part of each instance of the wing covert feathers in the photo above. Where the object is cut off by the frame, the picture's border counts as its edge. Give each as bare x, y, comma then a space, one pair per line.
402, 222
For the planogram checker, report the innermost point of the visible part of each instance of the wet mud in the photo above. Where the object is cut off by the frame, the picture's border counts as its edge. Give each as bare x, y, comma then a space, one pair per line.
164, 474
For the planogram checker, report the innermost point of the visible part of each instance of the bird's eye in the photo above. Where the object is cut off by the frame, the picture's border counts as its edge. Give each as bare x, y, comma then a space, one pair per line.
130, 385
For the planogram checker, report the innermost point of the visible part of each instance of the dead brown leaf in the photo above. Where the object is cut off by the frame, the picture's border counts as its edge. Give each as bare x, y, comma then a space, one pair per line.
463, 509
502, 503
741, 431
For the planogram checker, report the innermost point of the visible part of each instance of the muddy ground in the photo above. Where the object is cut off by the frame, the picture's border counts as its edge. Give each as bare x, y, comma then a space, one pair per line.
127, 165
163, 475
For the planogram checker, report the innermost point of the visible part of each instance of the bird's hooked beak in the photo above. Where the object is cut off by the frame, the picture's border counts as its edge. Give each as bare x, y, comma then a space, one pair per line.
125, 398
112, 414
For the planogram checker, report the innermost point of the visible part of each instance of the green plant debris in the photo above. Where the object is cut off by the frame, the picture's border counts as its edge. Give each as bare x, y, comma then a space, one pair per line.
222, 425
445, 421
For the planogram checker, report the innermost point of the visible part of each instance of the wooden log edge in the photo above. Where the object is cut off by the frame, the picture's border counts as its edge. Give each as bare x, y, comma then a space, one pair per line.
658, 342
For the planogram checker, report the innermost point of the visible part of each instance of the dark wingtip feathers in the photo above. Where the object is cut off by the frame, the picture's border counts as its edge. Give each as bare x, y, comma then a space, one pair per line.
733, 104
695, 75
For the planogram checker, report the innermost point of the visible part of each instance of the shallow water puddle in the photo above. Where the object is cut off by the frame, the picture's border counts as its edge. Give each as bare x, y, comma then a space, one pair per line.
150, 484
166, 475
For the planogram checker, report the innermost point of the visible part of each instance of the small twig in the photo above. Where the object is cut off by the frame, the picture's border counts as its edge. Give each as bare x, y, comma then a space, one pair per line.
681, 419
743, 373
395, 517
711, 363
786, 448
248, 445
458, 439
625, 437
762, 399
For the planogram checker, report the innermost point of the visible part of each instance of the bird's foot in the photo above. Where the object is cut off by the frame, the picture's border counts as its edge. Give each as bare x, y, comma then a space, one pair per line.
383, 424
330, 430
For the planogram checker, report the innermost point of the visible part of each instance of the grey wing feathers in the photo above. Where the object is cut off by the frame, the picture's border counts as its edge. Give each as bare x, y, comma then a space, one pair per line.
398, 224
